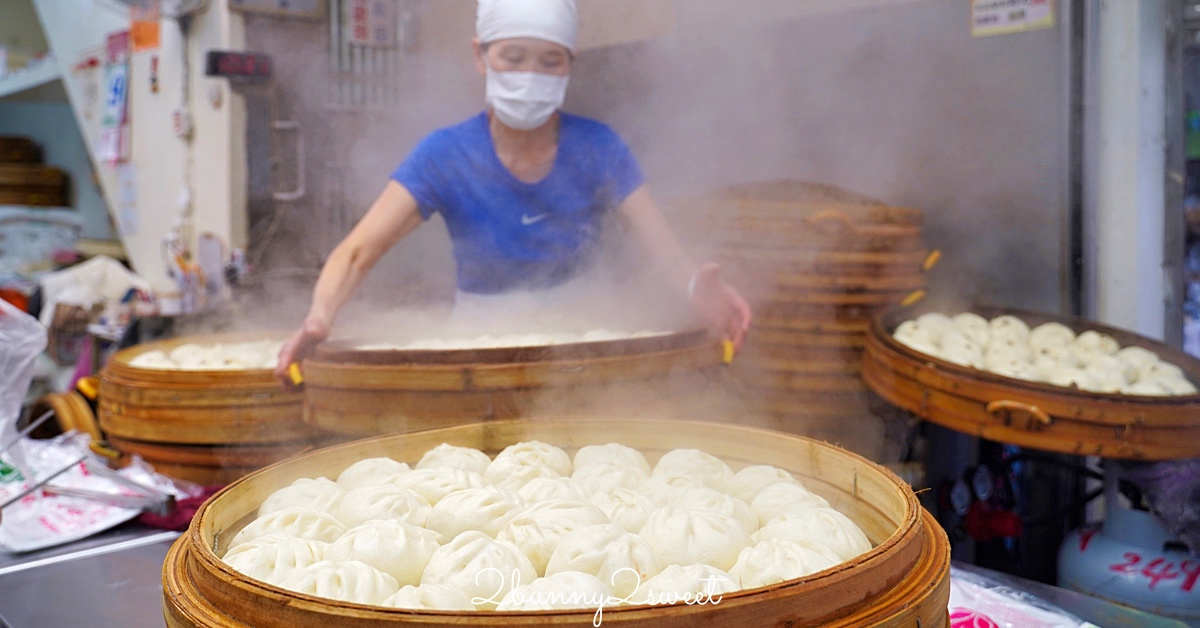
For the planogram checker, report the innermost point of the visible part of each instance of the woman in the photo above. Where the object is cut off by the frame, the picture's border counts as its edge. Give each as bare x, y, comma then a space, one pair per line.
523, 187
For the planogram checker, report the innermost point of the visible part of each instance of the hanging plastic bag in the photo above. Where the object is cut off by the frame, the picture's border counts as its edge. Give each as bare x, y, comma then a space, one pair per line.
53, 516
22, 339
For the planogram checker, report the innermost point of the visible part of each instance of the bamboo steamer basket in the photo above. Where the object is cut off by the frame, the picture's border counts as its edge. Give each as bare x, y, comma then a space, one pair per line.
32, 196
31, 175
903, 581
21, 150
203, 426
825, 261
209, 465
366, 393
217, 407
1034, 414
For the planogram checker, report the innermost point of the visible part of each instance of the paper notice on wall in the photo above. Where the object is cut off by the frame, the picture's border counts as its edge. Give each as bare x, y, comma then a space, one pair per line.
1001, 17
113, 143
371, 23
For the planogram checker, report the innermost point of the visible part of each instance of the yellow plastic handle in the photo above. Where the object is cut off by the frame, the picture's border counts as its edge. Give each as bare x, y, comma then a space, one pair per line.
727, 352
931, 260
294, 374
1039, 416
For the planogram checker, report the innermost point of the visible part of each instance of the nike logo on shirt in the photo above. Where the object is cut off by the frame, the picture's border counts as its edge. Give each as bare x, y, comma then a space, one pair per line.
527, 220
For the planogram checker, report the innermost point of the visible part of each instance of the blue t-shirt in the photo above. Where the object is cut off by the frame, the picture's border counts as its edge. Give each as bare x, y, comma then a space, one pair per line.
508, 234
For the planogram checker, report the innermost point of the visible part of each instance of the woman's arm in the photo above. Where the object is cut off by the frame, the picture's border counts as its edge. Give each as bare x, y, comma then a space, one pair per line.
391, 217
725, 309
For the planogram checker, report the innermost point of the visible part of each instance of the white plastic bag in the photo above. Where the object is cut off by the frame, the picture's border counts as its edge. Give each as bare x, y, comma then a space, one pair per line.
43, 519
99, 280
22, 340
979, 602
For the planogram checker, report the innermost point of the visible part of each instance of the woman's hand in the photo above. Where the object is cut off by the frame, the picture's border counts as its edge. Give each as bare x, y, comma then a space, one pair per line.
722, 306
298, 347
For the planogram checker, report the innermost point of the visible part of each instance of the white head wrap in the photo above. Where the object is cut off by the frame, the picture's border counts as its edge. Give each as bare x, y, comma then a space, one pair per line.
555, 21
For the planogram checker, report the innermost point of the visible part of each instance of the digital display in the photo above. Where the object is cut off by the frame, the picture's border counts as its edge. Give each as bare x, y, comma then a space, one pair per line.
244, 66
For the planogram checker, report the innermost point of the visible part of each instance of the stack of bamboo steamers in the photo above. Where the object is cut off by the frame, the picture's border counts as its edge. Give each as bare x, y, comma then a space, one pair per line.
817, 263
25, 179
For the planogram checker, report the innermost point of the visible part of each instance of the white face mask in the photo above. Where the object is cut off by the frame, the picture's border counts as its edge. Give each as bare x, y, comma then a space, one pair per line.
525, 100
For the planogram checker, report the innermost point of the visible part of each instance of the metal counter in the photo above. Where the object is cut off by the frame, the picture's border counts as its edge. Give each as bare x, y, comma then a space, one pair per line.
110, 579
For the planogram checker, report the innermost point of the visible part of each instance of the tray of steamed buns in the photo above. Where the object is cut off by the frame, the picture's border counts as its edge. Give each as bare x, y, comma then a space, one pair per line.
510, 347
560, 522
1038, 380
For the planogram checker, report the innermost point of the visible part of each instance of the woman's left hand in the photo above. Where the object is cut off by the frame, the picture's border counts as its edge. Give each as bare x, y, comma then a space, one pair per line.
722, 306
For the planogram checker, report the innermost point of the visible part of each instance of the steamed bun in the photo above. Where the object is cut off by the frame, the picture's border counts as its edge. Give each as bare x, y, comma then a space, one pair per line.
609, 455
685, 583
624, 507
750, 481
437, 482
384, 501
447, 455
826, 525
479, 566
319, 494
433, 597
558, 591
780, 500
296, 521
351, 581
372, 472
537, 530
273, 558
394, 547
682, 536
776, 560
607, 551
487, 510
703, 466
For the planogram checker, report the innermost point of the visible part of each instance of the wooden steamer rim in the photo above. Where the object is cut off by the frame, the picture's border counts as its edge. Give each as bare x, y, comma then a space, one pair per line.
1034, 414
903, 581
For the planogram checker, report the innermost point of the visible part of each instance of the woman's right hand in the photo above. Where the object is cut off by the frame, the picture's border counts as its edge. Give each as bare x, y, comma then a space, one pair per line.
298, 347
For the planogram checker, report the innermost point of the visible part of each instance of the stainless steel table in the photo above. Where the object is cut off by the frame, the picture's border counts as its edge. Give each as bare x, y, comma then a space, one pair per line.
111, 579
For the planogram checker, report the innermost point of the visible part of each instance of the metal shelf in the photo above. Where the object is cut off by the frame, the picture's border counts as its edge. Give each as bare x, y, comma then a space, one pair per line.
20, 81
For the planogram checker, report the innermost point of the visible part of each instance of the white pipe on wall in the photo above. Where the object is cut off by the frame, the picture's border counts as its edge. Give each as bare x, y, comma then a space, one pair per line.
1125, 165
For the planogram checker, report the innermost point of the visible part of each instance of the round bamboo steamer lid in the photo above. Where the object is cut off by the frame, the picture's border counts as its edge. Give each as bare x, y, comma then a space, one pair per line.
851, 284
209, 465
817, 213
797, 191
366, 393
1034, 414
863, 263
185, 407
71, 412
903, 581
19, 150
728, 227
